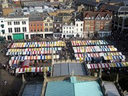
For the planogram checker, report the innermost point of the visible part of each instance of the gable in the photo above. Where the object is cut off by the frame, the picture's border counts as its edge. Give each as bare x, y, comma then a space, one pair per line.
98, 17
107, 17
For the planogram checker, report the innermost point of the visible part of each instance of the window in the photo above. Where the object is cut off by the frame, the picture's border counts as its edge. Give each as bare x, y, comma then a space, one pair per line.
10, 30
24, 29
40, 24
23, 22
31, 30
1, 21
38, 30
69, 27
87, 28
34, 30
81, 24
17, 29
97, 22
87, 22
46, 29
76, 24
9, 23
41, 30
102, 23
46, 24
50, 24
3, 31
81, 29
37, 24
48, 20
51, 29
2, 25
16, 23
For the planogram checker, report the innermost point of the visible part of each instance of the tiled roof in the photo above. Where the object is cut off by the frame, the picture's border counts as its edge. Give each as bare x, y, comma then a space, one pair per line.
94, 14
73, 88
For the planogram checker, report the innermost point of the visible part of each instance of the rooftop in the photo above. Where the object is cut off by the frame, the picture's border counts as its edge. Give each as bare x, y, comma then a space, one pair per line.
32, 90
67, 68
73, 87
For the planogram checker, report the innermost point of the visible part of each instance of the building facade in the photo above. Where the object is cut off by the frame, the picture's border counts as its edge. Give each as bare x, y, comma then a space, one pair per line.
36, 26
97, 23
73, 29
78, 28
48, 25
68, 30
17, 28
57, 27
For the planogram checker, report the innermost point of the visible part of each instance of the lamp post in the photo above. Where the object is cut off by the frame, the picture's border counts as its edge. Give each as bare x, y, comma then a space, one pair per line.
52, 59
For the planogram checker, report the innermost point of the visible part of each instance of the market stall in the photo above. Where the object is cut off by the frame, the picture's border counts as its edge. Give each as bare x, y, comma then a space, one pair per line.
107, 65
88, 42
38, 44
33, 69
95, 49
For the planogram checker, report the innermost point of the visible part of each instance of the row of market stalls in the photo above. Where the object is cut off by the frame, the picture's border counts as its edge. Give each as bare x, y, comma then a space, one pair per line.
32, 69
89, 42
37, 44
33, 52
93, 50
107, 65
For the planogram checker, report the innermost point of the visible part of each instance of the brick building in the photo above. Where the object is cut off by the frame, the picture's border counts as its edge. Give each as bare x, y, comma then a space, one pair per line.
97, 22
36, 27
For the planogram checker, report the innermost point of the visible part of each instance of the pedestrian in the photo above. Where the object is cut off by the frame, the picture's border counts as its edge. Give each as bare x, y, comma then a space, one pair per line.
5, 82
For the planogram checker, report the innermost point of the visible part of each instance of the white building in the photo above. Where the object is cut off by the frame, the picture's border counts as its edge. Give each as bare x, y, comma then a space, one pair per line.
68, 30
73, 30
79, 28
16, 28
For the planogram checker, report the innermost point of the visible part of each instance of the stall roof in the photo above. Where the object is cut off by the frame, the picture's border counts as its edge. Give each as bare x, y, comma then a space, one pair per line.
32, 90
111, 89
68, 68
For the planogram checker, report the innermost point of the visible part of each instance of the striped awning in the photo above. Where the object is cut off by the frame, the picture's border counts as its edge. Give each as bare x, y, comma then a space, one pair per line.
88, 42
107, 65
38, 44
32, 69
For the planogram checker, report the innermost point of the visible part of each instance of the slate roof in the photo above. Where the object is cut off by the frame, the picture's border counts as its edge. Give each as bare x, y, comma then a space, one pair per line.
111, 89
67, 68
32, 90
89, 2
63, 14
58, 19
